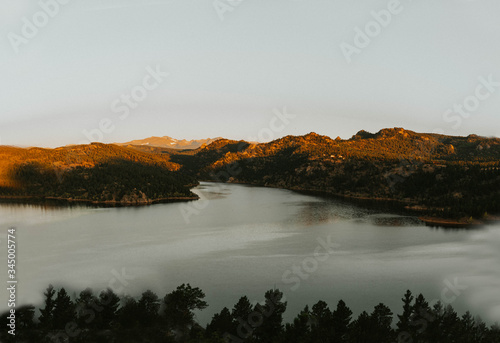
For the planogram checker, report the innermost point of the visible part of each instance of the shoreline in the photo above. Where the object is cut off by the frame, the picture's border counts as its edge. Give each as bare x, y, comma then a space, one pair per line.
401, 204
32, 199
450, 223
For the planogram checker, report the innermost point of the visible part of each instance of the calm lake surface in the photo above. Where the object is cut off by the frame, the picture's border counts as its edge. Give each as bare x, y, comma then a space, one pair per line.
243, 240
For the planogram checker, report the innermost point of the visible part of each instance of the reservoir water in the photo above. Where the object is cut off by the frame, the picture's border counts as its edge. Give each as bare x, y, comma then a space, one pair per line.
242, 240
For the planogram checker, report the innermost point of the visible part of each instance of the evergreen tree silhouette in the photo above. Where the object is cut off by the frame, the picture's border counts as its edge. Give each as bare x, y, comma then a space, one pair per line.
46, 313
64, 310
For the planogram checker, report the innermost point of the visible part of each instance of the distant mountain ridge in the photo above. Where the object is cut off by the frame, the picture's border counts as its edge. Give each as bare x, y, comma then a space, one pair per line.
171, 143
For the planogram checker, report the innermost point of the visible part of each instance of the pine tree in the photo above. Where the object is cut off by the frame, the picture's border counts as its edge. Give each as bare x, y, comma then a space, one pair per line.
148, 307
450, 323
381, 318
241, 310
64, 310
46, 316
87, 309
421, 316
321, 320
221, 323
341, 317
405, 318
128, 313
299, 331
272, 312
179, 307
361, 329
108, 302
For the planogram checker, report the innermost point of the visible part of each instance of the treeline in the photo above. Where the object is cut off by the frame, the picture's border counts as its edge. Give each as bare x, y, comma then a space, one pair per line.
456, 191
115, 180
107, 317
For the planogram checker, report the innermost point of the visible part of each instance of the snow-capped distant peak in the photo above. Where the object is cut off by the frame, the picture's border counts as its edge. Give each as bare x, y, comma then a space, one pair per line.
169, 142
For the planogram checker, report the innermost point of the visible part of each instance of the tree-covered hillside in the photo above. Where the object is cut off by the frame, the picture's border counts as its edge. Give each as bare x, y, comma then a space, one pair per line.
97, 173
438, 175
444, 176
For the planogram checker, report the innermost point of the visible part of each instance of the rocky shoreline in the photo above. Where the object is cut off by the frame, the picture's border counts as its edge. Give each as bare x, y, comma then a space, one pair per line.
104, 203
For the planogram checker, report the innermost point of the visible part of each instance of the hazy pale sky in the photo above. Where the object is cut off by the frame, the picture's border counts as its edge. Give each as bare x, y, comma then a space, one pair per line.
67, 68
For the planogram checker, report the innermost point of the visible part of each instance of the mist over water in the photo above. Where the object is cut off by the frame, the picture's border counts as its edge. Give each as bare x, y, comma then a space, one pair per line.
243, 240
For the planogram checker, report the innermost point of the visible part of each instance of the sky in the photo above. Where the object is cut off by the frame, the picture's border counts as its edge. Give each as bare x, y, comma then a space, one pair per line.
75, 71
